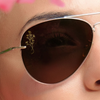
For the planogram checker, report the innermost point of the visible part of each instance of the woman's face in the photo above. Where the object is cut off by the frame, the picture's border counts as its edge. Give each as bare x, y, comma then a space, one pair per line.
16, 83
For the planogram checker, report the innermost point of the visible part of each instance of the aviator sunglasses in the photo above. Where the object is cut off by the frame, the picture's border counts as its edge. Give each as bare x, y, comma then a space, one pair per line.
54, 49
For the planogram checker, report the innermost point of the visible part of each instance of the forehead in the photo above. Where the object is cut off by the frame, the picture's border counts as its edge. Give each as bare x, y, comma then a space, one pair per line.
70, 5
21, 13
41, 6
45, 6
76, 5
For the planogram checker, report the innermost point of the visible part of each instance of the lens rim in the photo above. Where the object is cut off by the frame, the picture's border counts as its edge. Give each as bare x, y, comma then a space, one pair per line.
83, 60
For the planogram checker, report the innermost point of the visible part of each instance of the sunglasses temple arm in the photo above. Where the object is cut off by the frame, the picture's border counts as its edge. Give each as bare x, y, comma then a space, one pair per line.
80, 15
12, 48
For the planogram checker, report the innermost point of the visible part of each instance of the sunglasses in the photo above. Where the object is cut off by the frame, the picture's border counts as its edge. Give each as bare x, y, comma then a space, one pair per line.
54, 49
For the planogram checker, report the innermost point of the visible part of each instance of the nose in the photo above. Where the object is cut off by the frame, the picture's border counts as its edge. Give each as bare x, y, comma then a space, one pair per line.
91, 74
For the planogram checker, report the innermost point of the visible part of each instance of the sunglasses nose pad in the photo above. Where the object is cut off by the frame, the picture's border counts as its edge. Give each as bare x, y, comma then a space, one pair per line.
55, 53
95, 25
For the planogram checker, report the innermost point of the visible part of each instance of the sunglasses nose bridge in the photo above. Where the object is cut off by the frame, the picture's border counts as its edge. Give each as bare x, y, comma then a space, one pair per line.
95, 25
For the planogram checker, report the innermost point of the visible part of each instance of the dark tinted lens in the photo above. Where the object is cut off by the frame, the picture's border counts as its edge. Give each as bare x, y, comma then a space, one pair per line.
55, 49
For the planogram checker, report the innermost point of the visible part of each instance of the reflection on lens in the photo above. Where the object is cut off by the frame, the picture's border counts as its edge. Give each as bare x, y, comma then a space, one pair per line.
55, 49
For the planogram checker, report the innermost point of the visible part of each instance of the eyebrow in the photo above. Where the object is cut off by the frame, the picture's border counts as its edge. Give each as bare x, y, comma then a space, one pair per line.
46, 16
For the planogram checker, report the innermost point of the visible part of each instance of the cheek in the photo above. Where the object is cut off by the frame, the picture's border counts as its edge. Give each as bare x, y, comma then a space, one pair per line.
11, 72
11, 66
32, 88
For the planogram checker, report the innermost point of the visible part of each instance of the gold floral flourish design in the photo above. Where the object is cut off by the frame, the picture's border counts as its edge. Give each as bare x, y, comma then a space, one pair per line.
30, 41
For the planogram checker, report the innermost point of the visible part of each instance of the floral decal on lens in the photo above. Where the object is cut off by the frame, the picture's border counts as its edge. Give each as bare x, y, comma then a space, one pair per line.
30, 37
6, 5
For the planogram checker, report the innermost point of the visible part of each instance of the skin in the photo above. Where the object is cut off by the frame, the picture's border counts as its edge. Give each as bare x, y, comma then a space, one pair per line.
15, 82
